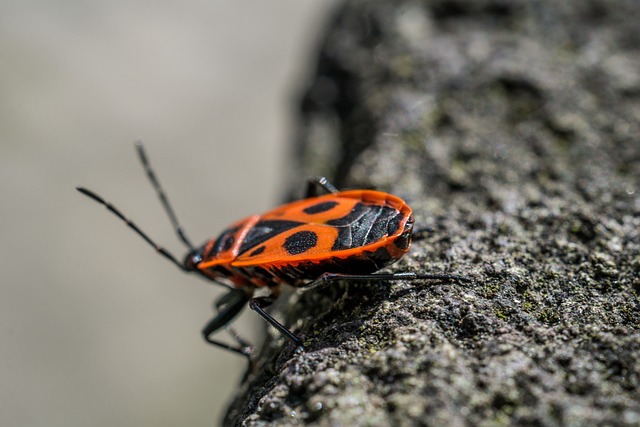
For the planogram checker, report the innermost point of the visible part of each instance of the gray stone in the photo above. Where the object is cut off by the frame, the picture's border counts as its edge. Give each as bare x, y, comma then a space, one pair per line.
513, 130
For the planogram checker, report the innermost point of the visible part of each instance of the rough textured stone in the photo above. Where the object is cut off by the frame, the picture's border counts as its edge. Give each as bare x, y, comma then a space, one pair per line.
513, 129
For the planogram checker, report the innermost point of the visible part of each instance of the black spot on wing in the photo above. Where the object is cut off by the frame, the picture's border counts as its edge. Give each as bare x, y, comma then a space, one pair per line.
300, 242
320, 207
258, 251
263, 231
365, 224
224, 242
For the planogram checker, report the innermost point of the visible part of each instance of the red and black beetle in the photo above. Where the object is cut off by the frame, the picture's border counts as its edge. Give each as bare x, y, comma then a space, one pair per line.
341, 235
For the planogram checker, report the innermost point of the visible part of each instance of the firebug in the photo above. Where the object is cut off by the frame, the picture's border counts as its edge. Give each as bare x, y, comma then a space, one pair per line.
339, 235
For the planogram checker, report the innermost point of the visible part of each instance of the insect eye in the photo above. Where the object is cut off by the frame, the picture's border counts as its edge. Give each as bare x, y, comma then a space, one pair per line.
192, 260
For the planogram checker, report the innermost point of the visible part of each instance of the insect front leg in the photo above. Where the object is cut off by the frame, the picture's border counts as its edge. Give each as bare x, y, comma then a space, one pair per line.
230, 305
328, 278
221, 302
319, 182
258, 305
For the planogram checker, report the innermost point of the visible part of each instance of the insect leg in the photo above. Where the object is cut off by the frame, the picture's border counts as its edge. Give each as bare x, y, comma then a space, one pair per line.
258, 304
220, 302
228, 298
319, 181
233, 303
328, 278
240, 339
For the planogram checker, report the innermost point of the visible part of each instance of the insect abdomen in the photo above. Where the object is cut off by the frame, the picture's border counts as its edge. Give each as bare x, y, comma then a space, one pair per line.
362, 262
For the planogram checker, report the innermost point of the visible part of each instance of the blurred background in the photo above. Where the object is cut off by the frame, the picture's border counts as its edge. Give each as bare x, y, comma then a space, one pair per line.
96, 328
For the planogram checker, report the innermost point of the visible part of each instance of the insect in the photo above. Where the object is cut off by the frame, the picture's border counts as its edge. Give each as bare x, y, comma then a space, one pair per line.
339, 235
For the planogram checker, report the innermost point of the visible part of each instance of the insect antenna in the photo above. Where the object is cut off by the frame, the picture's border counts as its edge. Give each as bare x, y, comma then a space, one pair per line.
162, 251
162, 196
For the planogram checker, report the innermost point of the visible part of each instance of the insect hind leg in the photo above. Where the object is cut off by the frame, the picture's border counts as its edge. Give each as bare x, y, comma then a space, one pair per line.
258, 304
328, 278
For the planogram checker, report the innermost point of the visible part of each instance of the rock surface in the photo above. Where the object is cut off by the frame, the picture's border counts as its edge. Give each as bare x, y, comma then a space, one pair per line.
513, 130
